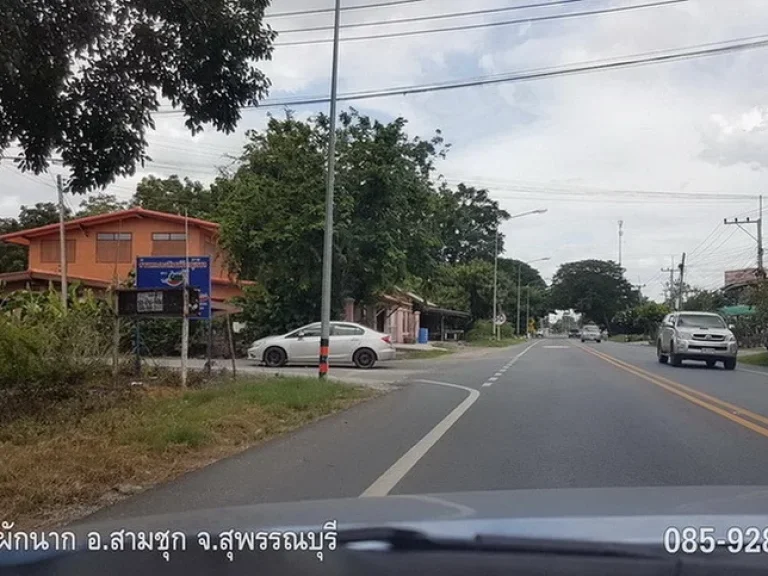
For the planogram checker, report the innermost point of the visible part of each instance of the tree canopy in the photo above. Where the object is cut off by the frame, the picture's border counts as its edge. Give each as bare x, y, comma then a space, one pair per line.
41, 214
596, 289
468, 220
176, 196
100, 203
85, 77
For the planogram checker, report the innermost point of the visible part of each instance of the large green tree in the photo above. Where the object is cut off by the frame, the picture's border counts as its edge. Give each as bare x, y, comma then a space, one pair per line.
100, 203
596, 289
41, 214
468, 220
706, 300
13, 258
272, 214
177, 196
85, 77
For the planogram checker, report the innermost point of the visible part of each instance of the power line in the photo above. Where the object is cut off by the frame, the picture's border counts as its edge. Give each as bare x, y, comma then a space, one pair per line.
432, 17
465, 27
550, 188
345, 9
641, 59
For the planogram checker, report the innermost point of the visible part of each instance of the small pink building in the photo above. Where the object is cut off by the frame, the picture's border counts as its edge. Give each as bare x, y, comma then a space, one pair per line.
394, 314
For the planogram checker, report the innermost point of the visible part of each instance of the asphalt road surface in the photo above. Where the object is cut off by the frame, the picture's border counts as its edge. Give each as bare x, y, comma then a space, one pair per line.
547, 414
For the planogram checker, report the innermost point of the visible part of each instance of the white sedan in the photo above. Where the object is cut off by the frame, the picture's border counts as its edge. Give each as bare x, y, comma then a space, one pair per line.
350, 342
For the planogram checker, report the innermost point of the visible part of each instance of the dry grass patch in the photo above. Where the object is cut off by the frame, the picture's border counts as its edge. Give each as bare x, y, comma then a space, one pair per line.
65, 463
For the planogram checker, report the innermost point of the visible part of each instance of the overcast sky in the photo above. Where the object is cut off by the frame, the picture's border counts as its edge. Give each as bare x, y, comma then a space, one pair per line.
592, 148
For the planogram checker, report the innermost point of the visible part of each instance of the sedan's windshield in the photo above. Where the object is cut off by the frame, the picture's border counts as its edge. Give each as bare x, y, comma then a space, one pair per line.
700, 321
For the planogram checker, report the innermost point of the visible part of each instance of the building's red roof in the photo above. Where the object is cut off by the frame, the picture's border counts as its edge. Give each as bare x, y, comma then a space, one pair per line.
23, 236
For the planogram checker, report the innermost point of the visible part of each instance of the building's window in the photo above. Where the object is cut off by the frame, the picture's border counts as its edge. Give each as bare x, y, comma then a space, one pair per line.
50, 251
113, 247
168, 244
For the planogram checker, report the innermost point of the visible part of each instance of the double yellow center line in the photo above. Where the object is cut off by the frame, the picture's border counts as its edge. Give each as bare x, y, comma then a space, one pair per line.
742, 416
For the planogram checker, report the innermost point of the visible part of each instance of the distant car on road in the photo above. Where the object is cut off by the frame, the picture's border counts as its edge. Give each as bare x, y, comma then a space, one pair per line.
574, 333
350, 343
591, 333
696, 336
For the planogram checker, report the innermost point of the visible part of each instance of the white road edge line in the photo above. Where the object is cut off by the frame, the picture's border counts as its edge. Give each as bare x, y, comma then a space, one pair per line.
509, 364
753, 371
384, 483
516, 358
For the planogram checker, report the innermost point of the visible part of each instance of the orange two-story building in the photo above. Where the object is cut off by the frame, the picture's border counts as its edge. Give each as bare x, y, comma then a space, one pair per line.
102, 250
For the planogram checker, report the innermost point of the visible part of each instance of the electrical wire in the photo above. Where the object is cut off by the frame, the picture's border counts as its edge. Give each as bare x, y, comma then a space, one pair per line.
641, 59
432, 17
549, 188
466, 27
344, 9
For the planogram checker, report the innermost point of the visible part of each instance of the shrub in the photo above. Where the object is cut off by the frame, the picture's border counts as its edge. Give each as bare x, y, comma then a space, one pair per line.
483, 330
46, 348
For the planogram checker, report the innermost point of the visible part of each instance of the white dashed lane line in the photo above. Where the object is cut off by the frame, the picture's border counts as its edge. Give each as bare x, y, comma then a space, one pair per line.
509, 364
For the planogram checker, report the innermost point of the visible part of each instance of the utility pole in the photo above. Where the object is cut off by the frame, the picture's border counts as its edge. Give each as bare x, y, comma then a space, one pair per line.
759, 238
325, 305
760, 269
185, 313
671, 271
621, 234
517, 324
62, 242
680, 289
495, 280
527, 307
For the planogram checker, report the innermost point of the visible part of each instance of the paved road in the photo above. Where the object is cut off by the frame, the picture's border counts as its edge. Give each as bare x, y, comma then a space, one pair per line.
548, 414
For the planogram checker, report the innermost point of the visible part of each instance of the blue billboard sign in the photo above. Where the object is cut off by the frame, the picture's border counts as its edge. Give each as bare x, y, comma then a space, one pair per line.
168, 272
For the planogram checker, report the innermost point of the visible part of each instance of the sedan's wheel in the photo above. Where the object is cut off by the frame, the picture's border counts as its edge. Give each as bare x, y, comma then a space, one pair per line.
674, 359
729, 363
710, 363
364, 358
662, 357
274, 357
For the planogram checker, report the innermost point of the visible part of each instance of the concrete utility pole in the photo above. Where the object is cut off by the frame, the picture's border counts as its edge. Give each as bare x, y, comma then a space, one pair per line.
680, 289
325, 305
495, 281
527, 307
62, 242
758, 238
621, 234
517, 324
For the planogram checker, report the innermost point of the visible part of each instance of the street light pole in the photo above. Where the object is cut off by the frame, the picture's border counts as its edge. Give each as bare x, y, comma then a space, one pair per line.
517, 326
528, 213
325, 305
495, 280
527, 307
519, 288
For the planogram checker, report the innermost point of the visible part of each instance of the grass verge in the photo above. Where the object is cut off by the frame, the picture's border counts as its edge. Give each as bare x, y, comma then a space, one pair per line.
628, 338
66, 464
491, 343
756, 359
422, 354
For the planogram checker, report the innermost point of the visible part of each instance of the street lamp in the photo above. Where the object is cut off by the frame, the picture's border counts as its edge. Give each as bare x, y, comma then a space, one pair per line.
496, 268
519, 270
